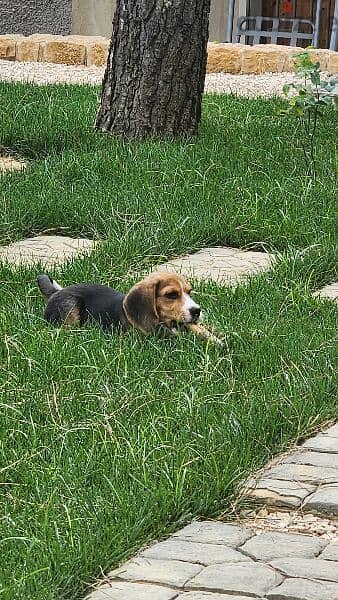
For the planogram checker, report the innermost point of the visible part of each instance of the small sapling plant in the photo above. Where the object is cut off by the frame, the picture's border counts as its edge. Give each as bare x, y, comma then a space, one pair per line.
306, 100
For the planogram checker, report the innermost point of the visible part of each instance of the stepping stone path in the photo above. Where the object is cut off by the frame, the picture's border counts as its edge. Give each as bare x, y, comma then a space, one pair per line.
51, 250
8, 163
225, 265
213, 560
329, 291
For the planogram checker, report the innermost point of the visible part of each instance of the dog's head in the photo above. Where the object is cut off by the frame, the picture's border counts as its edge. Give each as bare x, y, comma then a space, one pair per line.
161, 298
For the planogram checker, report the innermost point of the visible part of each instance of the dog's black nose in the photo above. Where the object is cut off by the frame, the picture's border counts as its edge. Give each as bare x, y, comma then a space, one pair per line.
195, 313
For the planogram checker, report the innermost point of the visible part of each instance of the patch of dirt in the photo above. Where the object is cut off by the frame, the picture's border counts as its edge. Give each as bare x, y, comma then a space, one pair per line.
291, 522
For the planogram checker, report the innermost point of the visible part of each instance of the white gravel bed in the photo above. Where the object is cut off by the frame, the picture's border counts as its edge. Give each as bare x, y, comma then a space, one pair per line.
269, 84
41, 73
266, 85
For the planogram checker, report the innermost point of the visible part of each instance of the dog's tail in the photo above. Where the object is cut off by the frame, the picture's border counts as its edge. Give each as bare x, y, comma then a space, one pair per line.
48, 286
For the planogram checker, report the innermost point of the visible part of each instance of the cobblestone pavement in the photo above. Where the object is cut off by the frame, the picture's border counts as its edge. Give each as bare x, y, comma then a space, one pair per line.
48, 249
225, 265
307, 478
213, 560
221, 561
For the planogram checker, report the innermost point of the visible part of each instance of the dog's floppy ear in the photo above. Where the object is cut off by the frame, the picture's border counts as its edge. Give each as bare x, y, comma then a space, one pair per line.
140, 304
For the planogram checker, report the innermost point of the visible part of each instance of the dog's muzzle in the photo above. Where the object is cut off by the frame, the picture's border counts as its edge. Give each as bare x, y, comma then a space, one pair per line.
195, 312
192, 310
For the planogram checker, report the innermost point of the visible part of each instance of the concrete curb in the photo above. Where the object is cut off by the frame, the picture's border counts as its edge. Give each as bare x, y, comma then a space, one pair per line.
93, 50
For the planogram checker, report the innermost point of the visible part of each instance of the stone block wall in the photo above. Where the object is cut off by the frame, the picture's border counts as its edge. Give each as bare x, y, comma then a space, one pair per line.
68, 50
93, 50
263, 58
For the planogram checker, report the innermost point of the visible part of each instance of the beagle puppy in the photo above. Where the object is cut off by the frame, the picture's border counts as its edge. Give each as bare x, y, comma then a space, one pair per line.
160, 299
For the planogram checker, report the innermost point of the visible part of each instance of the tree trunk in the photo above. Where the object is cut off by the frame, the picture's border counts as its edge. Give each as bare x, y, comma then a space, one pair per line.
154, 79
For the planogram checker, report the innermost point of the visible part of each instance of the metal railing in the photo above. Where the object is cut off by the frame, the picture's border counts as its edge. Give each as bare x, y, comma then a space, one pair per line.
276, 28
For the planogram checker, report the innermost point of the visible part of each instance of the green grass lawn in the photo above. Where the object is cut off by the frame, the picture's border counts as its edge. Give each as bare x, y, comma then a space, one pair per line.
110, 441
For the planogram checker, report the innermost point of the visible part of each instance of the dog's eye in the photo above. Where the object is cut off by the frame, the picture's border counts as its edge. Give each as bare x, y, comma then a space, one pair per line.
172, 295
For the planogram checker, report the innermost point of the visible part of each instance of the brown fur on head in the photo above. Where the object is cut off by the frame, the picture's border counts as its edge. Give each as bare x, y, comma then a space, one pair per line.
160, 298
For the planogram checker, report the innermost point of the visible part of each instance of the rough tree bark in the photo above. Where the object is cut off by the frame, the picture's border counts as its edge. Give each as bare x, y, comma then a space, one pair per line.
155, 72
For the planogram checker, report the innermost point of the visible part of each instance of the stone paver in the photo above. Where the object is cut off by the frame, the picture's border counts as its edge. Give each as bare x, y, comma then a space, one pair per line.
170, 572
251, 579
329, 291
281, 493
330, 552
322, 443
307, 568
304, 589
225, 265
274, 544
209, 596
8, 163
332, 431
306, 473
313, 468
48, 249
316, 459
324, 501
124, 590
214, 532
203, 554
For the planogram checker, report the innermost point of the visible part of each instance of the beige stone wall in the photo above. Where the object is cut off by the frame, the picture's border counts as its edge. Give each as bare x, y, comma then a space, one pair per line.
263, 58
93, 50
68, 50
